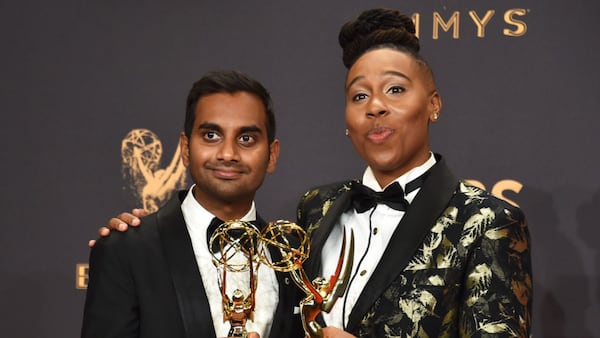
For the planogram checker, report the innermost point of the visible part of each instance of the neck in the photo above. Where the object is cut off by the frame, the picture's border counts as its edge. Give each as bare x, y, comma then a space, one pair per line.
385, 176
225, 209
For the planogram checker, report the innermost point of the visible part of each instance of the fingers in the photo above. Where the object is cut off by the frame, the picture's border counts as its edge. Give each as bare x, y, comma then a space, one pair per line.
117, 224
129, 219
103, 232
120, 223
253, 335
140, 212
123, 221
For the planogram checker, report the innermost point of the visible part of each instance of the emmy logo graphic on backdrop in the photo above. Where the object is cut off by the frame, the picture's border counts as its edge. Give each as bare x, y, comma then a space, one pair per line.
141, 152
233, 248
292, 243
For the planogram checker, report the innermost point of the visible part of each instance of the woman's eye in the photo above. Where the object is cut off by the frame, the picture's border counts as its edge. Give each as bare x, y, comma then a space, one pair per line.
395, 90
359, 97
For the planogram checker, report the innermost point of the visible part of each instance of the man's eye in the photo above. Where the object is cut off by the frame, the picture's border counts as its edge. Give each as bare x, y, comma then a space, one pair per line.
246, 138
211, 135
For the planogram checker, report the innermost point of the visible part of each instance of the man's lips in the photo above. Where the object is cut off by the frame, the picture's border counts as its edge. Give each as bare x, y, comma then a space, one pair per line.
379, 134
226, 172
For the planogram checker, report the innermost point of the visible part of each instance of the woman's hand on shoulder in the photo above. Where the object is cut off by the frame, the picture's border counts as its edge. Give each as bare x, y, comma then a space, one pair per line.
120, 223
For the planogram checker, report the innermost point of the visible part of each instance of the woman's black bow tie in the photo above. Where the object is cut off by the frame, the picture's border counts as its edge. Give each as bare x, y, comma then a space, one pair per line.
365, 198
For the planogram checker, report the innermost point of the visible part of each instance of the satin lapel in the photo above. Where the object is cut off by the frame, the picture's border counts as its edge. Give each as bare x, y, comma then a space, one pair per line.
260, 223
430, 202
179, 254
319, 236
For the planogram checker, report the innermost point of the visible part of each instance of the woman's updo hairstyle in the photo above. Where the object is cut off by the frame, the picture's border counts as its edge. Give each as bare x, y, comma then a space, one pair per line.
376, 28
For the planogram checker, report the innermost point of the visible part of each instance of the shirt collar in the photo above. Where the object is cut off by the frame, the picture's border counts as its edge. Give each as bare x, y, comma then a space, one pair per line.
197, 216
370, 181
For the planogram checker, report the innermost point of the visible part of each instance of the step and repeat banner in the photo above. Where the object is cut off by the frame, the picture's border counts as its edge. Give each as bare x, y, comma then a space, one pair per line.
93, 100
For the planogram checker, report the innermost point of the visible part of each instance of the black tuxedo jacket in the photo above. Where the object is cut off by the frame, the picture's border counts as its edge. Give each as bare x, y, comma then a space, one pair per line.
145, 283
458, 264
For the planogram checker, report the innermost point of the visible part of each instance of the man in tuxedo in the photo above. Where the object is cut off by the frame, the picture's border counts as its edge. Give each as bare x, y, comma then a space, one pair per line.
158, 280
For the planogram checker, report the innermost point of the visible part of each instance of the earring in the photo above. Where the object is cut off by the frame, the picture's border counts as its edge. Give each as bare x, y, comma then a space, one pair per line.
435, 116
346, 132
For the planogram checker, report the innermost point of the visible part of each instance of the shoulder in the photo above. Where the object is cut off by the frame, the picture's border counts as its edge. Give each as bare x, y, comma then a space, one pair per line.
148, 228
134, 236
474, 198
480, 214
325, 192
316, 201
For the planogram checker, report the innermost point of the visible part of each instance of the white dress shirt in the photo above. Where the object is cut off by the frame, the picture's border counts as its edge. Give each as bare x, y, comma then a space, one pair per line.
372, 232
197, 220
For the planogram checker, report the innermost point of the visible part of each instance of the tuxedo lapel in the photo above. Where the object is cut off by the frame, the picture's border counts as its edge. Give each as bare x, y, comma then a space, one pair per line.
179, 254
318, 238
421, 215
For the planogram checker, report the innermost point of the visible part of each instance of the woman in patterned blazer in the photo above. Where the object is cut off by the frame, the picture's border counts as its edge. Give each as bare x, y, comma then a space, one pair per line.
434, 256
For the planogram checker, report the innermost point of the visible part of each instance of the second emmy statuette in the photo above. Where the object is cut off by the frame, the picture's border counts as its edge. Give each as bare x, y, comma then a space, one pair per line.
293, 245
233, 247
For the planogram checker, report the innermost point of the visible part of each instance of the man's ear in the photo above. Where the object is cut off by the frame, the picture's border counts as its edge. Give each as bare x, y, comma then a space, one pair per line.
184, 148
273, 156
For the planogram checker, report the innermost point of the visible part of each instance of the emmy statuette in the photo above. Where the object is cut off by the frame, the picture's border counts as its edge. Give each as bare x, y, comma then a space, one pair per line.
293, 245
233, 247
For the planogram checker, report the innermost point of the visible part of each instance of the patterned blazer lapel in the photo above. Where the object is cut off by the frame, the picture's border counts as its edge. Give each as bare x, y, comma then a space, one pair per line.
429, 203
180, 257
323, 228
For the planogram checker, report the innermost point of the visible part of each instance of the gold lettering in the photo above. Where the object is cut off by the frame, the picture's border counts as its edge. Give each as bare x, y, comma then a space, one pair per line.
481, 23
453, 22
416, 18
520, 26
500, 187
504, 185
81, 276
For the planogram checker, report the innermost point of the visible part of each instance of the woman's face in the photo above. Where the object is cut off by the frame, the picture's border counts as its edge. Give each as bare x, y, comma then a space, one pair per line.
390, 99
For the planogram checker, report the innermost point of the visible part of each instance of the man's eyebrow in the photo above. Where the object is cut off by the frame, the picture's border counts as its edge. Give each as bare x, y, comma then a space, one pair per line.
251, 129
241, 130
210, 126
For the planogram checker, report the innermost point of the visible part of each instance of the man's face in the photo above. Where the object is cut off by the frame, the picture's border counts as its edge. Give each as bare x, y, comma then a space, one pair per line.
228, 153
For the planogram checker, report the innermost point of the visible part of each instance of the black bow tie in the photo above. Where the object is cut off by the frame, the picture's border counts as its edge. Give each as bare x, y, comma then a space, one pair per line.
365, 198
212, 227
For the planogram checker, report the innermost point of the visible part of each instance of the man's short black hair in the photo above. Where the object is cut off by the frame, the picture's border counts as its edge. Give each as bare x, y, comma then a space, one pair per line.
228, 81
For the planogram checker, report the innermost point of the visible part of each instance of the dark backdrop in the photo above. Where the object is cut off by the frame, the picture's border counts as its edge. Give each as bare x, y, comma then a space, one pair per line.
78, 76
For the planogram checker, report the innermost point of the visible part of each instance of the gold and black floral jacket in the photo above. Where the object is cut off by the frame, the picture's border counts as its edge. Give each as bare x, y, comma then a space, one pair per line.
458, 264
